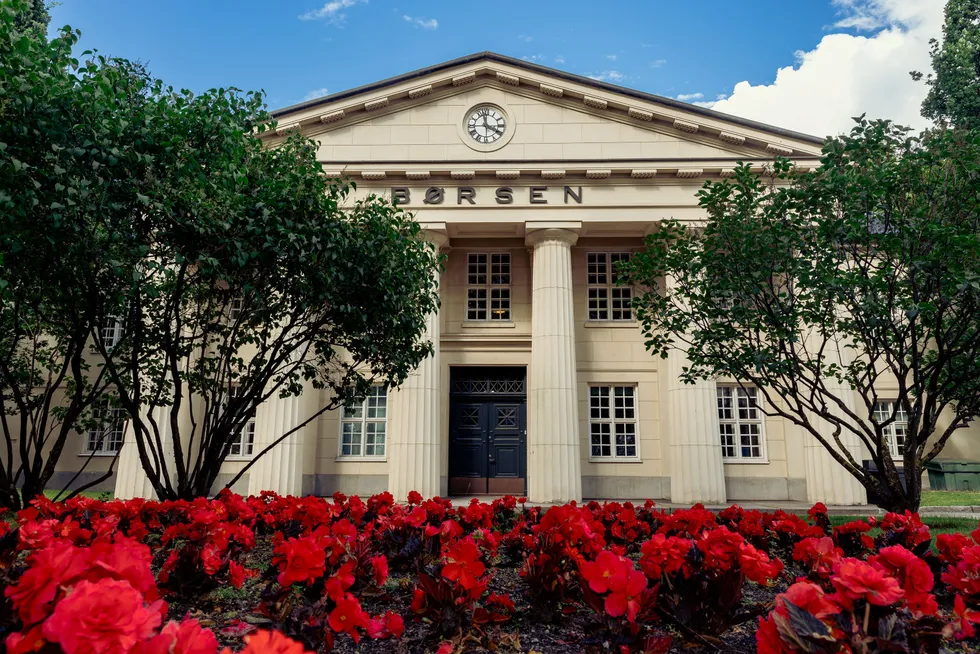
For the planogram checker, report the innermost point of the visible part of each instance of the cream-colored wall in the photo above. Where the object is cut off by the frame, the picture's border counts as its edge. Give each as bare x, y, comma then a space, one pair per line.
542, 131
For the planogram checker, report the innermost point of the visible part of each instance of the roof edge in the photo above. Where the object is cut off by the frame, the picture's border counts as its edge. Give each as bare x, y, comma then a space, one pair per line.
545, 70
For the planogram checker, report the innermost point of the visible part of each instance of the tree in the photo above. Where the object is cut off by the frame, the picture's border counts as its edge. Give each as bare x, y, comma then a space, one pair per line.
865, 272
74, 155
259, 275
32, 15
954, 85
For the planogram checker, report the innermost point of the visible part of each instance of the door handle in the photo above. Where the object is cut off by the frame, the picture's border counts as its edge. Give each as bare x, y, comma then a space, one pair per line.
492, 460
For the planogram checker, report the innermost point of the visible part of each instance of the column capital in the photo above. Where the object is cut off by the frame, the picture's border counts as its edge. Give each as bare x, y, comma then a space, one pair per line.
561, 232
436, 234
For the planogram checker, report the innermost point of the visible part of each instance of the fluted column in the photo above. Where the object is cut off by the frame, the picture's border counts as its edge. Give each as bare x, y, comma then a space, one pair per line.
553, 440
131, 479
697, 473
827, 480
415, 425
281, 469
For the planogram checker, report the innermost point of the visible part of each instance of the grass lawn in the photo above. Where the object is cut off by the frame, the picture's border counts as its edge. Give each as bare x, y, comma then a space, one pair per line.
99, 495
937, 524
950, 498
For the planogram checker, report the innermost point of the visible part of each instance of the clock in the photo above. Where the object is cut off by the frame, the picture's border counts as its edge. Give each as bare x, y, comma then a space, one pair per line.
486, 124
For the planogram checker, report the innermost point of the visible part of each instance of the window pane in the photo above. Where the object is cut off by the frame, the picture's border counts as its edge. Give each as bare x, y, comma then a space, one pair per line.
597, 268
598, 304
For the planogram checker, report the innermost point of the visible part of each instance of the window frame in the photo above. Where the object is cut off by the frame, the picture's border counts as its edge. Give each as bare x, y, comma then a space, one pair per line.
118, 412
613, 421
363, 420
891, 436
736, 389
610, 287
246, 437
489, 287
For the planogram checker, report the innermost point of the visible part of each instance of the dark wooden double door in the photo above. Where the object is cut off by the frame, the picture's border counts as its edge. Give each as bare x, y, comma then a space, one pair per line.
487, 431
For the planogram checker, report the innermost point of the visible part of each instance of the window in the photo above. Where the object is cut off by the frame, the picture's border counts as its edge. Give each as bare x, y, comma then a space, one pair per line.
612, 422
243, 445
111, 331
894, 433
107, 437
362, 428
740, 422
488, 289
235, 307
607, 299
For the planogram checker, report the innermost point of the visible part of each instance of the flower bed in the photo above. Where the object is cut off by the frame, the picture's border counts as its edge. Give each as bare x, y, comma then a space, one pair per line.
273, 574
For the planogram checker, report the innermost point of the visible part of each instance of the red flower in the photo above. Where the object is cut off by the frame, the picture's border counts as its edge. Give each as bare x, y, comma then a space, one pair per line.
38, 586
105, 617
961, 627
271, 642
188, 637
463, 565
662, 555
600, 573
124, 560
417, 517
414, 497
757, 566
348, 617
388, 626
379, 564
912, 573
951, 547
857, 580
819, 554
810, 597
767, 640
626, 590
237, 574
446, 648
300, 560
338, 584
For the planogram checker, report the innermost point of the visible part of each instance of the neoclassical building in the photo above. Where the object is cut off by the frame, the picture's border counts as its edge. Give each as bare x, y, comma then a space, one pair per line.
535, 182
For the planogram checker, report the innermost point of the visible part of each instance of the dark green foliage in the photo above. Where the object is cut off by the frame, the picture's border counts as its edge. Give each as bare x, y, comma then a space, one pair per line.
865, 272
954, 85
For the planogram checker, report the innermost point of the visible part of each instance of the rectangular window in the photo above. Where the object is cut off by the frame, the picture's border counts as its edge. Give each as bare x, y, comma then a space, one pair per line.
488, 286
111, 331
612, 422
244, 444
107, 437
896, 432
363, 426
608, 299
740, 421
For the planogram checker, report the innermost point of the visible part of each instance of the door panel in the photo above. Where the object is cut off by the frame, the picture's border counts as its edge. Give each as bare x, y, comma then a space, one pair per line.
468, 448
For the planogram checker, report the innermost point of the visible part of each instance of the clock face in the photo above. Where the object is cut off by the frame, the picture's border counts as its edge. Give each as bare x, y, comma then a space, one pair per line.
486, 124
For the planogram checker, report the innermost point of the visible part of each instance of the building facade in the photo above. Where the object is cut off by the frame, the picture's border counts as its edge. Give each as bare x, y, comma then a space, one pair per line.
535, 182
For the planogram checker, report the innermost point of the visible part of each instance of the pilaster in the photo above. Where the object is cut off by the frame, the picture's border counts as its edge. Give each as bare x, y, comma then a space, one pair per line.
281, 469
697, 473
553, 440
415, 424
131, 479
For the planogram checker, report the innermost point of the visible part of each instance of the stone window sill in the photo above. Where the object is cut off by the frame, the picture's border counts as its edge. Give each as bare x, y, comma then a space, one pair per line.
98, 454
747, 462
495, 324
611, 324
237, 459
615, 460
362, 459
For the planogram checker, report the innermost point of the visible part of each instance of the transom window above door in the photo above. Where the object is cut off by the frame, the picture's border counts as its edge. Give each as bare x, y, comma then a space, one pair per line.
488, 286
609, 300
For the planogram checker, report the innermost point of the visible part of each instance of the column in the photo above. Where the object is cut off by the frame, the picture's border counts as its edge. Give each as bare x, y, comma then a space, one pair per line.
827, 480
281, 469
415, 425
697, 473
131, 479
554, 451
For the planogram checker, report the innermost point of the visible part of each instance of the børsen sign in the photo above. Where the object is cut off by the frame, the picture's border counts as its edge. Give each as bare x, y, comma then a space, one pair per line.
471, 195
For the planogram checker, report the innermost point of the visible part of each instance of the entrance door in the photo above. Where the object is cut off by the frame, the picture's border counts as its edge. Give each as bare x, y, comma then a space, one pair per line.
487, 431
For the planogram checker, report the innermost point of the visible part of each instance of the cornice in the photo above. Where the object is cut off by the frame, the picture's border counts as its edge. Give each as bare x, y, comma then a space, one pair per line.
599, 102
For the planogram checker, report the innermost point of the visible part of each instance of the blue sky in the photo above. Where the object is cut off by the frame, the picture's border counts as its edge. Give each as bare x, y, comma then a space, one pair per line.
297, 48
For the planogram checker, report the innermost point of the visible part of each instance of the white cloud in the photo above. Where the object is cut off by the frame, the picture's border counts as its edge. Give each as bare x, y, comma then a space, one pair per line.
332, 11
525, 38
687, 97
559, 59
658, 63
611, 57
316, 93
533, 58
609, 76
847, 75
709, 104
429, 24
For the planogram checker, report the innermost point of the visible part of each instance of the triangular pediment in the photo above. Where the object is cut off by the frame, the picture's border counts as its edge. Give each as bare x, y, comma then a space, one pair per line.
553, 118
